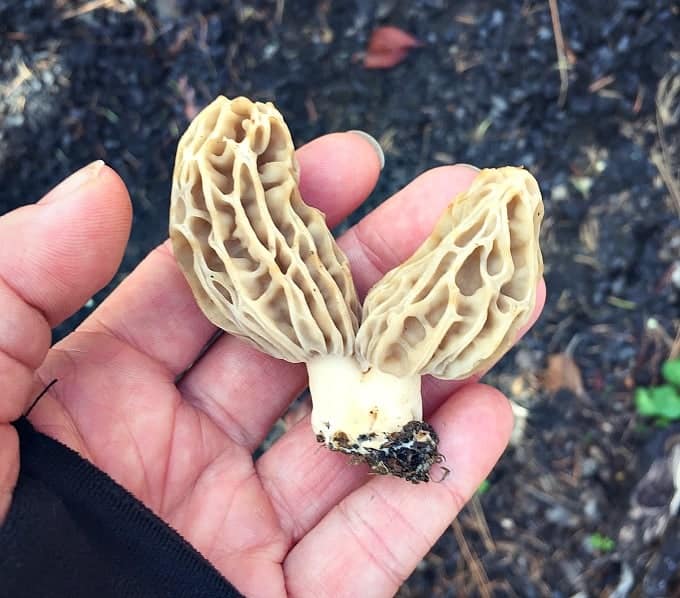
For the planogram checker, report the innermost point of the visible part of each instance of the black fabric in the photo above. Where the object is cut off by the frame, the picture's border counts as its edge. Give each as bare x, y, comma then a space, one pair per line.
72, 532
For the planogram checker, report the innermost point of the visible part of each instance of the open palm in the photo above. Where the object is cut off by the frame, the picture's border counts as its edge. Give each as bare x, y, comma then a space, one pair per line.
180, 433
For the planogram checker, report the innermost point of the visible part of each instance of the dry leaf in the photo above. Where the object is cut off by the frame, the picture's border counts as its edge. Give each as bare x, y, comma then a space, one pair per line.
388, 46
562, 372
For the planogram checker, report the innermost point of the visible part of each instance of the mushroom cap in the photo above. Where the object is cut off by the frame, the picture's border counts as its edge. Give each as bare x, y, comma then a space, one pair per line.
456, 306
262, 264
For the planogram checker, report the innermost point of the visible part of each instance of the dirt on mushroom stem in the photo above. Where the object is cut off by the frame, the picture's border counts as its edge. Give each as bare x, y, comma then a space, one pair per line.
409, 453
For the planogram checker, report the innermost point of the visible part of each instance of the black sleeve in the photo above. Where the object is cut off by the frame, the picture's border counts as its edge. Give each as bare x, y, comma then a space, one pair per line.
71, 531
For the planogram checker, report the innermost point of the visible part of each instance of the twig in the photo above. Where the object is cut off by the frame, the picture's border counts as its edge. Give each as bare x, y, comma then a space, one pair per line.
668, 114
562, 63
150, 32
601, 83
482, 525
667, 94
466, 19
312, 113
675, 347
639, 97
115, 5
23, 75
280, 7
425, 146
473, 563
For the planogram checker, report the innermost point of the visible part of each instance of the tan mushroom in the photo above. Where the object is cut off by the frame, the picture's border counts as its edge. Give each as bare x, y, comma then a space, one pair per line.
264, 266
456, 306
261, 263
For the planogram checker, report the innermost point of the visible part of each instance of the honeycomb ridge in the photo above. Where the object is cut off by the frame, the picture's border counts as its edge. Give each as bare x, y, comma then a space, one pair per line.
456, 306
261, 263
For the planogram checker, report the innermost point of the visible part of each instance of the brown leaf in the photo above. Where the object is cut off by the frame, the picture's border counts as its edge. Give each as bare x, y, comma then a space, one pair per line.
388, 46
562, 372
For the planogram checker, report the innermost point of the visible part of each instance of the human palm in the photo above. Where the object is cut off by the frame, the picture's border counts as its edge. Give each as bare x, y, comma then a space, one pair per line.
180, 431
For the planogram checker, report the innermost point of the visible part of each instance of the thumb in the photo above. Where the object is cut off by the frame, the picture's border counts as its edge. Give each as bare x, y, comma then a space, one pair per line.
54, 255
58, 252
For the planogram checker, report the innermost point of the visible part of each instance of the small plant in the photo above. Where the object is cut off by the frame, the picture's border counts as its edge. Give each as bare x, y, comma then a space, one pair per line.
484, 487
662, 401
601, 543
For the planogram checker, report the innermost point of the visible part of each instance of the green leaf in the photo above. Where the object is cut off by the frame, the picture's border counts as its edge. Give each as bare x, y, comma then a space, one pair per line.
643, 402
484, 487
601, 543
659, 401
671, 372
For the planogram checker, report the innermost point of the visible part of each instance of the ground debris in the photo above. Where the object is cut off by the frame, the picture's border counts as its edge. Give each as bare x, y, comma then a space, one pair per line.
387, 47
563, 373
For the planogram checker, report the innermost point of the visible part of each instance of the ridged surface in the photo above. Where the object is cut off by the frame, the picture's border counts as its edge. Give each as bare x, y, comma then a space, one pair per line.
261, 263
456, 305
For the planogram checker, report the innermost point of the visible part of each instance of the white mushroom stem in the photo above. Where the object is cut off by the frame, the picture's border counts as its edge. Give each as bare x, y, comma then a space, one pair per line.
375, 416
359, 404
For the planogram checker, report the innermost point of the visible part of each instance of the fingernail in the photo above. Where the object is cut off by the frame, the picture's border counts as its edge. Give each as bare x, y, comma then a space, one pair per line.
75, 181
470, 166
374, 144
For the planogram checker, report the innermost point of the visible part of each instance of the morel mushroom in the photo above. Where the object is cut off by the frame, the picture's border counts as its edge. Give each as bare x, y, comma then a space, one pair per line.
264, 266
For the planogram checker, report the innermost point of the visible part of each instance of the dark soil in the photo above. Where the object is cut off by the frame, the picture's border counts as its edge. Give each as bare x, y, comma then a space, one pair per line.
120, 82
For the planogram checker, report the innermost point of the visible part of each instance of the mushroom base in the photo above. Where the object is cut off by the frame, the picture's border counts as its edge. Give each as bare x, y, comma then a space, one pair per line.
373, 416
408, 454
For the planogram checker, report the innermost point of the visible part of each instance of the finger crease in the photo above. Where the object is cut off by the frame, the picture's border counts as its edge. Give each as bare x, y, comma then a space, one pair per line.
185, 497
20, 362
458, 501
23, 299
146, 485
284, 511
222, 418
380, 247
368, 252
78, 444
168, 459
381, 558
43, 321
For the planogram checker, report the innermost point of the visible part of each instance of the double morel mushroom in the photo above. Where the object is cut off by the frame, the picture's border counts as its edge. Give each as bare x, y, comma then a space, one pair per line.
264, 266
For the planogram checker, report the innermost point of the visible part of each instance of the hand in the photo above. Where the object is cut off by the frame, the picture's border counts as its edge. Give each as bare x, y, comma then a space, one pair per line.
297, 520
